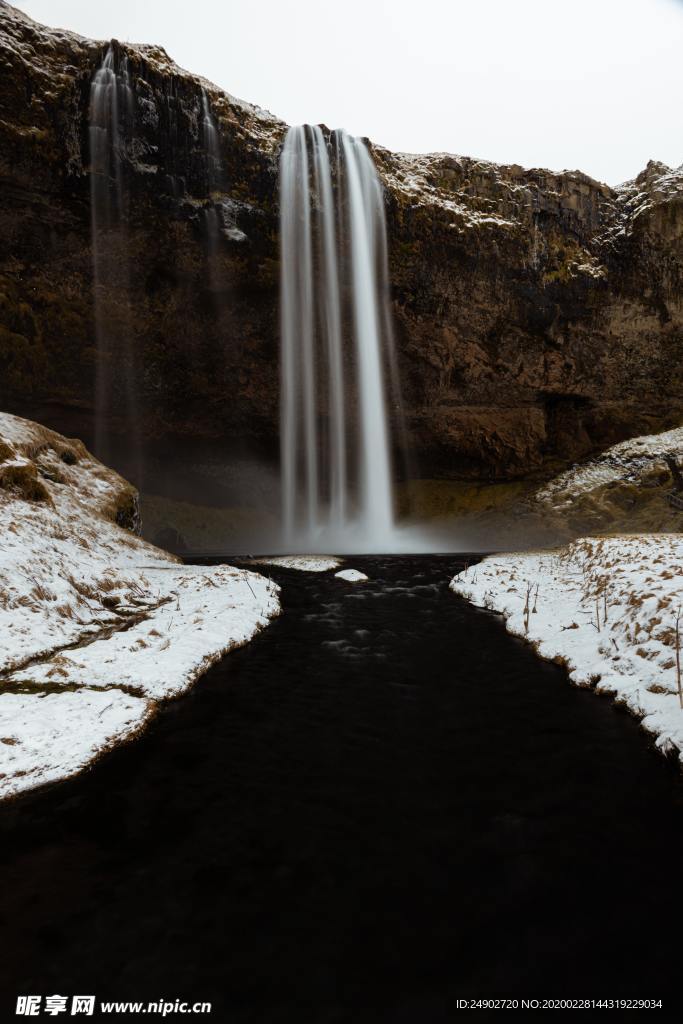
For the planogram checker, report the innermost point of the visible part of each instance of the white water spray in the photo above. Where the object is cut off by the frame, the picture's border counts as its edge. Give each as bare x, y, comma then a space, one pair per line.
335, 441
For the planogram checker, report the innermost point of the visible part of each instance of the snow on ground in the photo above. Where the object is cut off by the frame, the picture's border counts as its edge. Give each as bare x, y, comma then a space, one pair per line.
351, 575
304, 563
96, 625
44, 738
607, 608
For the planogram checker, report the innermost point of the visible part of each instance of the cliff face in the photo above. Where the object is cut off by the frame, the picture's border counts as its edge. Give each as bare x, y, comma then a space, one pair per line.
539, 316
204, 342
542, 313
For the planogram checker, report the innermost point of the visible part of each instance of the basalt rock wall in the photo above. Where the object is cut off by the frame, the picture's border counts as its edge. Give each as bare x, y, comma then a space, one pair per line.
539, 316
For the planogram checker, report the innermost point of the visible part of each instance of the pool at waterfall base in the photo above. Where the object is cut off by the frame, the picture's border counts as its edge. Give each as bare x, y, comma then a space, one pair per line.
381, 805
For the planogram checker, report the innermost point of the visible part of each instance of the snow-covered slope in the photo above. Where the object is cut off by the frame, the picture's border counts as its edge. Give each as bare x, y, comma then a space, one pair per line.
96, 625
605, 607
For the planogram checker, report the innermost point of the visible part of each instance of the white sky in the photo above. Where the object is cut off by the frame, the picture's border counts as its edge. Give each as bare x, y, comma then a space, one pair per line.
589, 84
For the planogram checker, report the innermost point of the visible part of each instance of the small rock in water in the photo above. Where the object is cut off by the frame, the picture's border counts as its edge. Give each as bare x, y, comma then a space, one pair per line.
351, 575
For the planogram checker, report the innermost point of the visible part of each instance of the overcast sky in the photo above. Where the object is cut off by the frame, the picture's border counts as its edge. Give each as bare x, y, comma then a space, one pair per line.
590, 84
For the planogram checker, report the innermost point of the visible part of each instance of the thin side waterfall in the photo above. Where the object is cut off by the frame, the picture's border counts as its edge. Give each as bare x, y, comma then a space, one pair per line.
111, 110
210, 143
336, 345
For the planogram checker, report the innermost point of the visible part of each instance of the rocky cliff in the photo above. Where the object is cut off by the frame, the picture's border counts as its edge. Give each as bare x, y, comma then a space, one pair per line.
539, 316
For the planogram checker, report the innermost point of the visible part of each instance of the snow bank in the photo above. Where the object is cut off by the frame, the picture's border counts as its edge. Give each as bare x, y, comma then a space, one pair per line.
96, 625
351, 575
49, 737
304, 563
607, 608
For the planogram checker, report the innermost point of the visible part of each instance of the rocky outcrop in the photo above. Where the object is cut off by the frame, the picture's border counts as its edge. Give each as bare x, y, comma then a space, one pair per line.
635, 486
539, 316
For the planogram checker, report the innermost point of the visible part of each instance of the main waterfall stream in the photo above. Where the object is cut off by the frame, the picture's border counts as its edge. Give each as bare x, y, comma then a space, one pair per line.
335, 433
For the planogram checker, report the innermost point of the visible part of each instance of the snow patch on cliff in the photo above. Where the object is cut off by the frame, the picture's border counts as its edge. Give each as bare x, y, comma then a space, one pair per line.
413, 175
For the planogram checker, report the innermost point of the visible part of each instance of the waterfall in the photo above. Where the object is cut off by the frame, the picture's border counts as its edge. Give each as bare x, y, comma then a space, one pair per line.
110, 114
335, 439
209, 134
364, 204
332, 329
212, 218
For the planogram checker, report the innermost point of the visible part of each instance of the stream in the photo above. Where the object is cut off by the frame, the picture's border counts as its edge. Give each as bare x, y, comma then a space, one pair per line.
382, 804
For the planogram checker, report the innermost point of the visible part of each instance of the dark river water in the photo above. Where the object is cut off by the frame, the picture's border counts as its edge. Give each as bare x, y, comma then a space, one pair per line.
381, 805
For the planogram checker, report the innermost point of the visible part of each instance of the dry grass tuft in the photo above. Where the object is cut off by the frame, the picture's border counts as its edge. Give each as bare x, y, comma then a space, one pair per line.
42, 593
21, 480
68, 456
5, 451
51, 471
108, 583
84, 589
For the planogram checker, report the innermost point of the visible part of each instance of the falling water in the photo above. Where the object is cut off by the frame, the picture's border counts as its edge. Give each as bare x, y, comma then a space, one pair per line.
111, 110
331, 326
365, 210
210, 142
211, 146
336, 469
